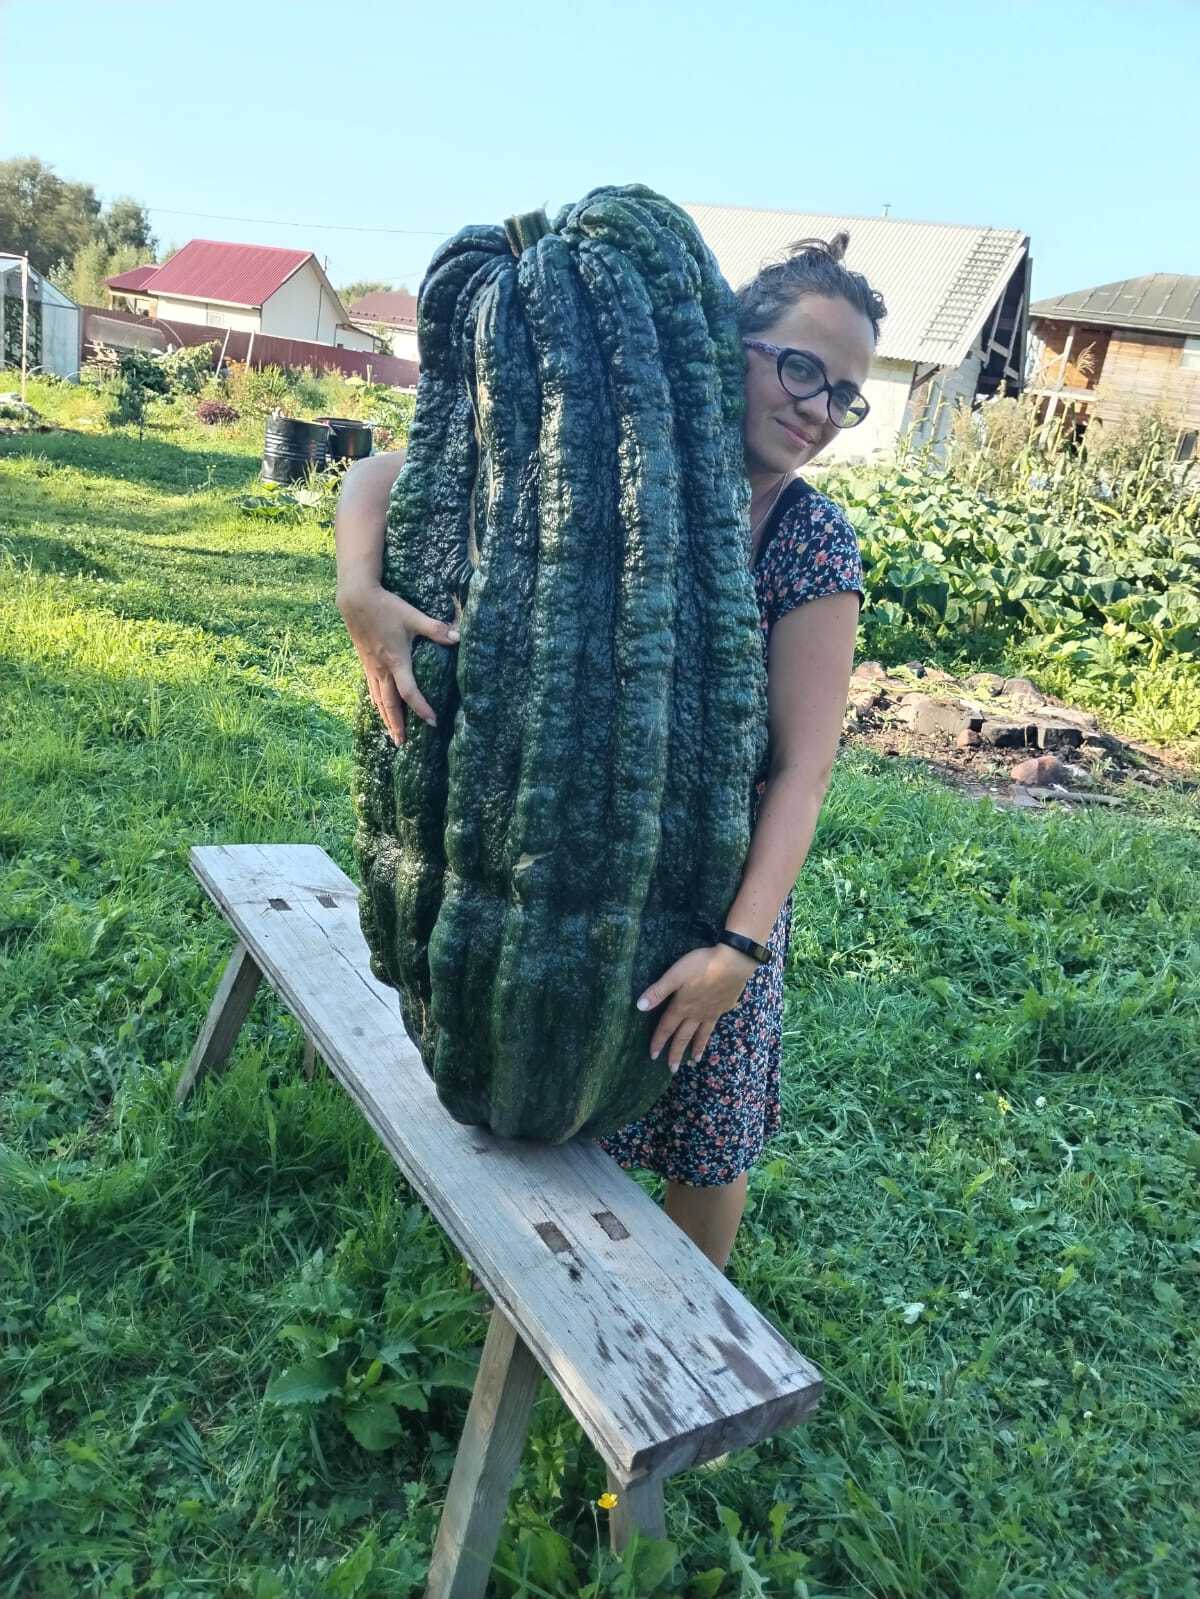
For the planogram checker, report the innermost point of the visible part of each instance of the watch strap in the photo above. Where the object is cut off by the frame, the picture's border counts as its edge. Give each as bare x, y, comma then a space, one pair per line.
747, 946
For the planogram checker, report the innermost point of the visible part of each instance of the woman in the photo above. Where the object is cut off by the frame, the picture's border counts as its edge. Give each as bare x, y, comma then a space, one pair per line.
809, 325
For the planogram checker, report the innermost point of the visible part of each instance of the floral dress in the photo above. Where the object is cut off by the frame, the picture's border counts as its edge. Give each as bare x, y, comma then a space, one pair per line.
712, 1122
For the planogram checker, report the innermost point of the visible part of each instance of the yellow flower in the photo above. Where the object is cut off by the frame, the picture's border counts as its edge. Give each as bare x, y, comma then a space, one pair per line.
1002, 1105
607, 1501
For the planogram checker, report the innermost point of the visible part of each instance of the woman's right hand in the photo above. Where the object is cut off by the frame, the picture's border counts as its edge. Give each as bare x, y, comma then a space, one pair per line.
382, 627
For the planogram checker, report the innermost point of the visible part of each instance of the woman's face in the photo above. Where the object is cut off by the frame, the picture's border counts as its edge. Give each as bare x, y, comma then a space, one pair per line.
782, 433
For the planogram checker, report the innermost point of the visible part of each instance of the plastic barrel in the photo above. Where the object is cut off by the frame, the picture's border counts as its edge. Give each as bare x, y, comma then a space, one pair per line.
292, 447
348, 440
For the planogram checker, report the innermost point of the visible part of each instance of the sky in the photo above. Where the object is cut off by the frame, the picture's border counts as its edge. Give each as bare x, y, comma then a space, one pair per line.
369, 140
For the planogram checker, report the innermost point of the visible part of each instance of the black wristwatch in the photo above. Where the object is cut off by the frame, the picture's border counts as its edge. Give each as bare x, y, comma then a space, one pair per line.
758, 952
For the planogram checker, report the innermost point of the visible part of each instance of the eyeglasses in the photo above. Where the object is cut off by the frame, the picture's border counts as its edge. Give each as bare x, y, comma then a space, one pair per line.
802, 376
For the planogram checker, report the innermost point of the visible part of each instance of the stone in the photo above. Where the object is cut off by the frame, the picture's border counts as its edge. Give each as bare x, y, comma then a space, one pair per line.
872, 670
968, 739
935, 675
915, 667
1067, 713
987, 682
940, 716
1097, 743
1059, 736
1039, 771
1008, 735
866, 699
1023, 688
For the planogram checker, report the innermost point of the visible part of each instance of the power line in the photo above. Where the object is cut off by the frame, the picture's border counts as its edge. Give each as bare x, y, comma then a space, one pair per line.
275, 222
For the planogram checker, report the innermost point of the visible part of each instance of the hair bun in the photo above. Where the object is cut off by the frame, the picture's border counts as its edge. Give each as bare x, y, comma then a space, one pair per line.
834, 248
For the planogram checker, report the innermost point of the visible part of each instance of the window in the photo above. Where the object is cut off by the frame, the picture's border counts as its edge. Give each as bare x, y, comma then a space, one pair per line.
1187, 446
1190, 355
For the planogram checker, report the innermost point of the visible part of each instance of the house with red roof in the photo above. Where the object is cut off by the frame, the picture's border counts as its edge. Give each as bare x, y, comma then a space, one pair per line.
251, 288
392, 314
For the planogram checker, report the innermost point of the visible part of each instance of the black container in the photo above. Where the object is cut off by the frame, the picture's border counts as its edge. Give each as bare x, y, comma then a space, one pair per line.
348, 440
292, 447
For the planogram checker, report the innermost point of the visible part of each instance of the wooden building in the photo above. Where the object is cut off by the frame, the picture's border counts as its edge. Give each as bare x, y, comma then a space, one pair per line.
1104, 354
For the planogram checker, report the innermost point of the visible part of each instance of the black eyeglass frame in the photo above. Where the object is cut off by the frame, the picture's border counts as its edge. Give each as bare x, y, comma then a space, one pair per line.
782, 351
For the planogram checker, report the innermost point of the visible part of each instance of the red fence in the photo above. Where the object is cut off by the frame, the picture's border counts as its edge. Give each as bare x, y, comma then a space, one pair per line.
123, 330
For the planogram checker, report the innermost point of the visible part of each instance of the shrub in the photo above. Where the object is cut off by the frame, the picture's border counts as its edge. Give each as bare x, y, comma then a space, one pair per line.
259, 390
140, 377
213, 412
189, 367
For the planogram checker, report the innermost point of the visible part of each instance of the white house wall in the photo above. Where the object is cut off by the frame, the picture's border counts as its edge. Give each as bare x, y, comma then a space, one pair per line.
243, 319
302, 308
354, 339
398, 341
886, 390
404, 345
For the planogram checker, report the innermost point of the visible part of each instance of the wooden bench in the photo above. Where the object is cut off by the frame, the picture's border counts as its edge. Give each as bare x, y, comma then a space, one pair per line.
662, 1361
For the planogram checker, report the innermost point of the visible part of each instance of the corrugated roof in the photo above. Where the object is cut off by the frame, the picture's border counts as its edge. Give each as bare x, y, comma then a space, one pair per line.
136, 278
940, 280
1163, 302
396, 307
235, 274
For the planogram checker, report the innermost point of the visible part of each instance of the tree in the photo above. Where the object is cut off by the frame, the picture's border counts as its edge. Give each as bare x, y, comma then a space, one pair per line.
83, 278
41, 215
126, 226
365, 286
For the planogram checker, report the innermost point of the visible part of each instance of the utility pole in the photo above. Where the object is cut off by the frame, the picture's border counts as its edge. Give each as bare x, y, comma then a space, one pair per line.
24, 324
887, 206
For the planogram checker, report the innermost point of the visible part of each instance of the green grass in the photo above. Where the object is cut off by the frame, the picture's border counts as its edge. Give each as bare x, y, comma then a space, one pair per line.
981, 1220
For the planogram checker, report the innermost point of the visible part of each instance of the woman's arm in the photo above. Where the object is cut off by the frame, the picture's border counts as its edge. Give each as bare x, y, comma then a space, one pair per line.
382, 625
812, 652
360, 521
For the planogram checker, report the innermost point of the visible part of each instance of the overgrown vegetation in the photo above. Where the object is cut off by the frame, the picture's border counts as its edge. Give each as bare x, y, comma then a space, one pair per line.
1081, 563
980, 1221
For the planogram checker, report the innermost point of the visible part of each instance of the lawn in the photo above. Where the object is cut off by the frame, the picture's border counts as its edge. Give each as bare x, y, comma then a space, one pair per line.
981, 1221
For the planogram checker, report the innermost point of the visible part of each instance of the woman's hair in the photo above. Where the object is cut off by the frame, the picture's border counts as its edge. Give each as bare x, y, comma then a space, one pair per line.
811, 266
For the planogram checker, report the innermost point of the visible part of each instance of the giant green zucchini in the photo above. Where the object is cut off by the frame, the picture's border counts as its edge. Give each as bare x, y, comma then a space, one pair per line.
574, 489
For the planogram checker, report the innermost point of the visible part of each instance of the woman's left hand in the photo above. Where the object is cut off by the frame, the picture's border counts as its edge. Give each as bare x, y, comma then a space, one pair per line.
701, 986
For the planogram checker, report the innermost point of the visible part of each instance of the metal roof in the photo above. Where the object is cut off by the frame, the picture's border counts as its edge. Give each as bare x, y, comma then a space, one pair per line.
133, 280
396, 307
940, 280
233, 274
1163, 302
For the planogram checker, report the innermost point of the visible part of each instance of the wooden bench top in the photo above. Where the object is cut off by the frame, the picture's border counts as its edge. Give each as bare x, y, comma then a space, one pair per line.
664, 1363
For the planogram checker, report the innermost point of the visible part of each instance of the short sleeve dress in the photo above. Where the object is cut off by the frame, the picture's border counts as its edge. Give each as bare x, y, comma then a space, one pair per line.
718, 1113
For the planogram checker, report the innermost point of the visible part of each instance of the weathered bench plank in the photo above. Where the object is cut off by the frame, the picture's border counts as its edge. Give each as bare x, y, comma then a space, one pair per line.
661, 1360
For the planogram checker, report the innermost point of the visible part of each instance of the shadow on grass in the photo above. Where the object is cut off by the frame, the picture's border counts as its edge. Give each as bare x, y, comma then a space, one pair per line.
218, 762
153, 462
222, 591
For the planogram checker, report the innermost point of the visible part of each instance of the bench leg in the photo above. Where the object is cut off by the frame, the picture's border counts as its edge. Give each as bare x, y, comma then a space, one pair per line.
641, 1506
310, 1057
485, 1466
229, 1009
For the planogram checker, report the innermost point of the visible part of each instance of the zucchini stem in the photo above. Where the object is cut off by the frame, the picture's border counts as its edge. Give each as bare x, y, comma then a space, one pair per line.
525, 230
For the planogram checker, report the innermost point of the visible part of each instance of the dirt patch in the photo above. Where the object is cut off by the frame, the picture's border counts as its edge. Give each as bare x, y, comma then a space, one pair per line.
1004, 737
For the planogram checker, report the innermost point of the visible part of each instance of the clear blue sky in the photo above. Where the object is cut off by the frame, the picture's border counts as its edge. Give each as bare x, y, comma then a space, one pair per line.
1075, 120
